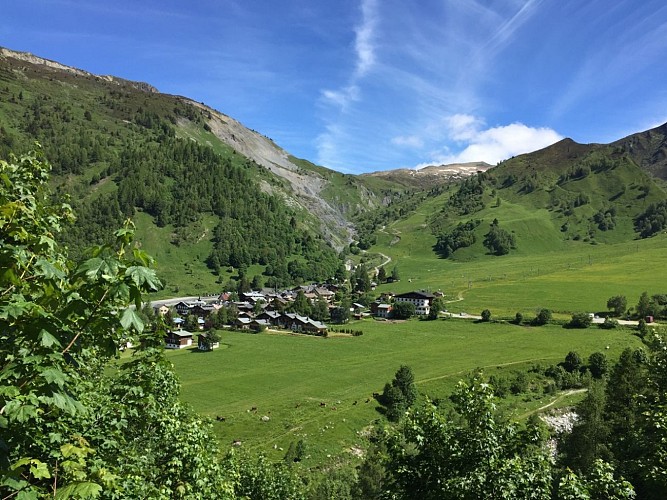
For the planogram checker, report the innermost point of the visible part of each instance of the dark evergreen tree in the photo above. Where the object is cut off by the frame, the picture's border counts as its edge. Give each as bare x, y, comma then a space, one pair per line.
499, 241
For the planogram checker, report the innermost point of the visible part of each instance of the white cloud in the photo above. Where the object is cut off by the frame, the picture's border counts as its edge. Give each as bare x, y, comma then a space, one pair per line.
462, 127
343, 97
491, 145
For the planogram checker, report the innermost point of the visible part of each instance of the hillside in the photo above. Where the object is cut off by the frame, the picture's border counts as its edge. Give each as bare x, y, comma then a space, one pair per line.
193, 120
204, 190
563, 195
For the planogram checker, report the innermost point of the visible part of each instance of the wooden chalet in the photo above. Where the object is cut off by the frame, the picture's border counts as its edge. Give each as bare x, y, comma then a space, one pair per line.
178, 339
204, 343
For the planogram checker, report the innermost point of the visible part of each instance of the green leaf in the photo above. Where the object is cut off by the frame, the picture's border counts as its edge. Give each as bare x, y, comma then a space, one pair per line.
15, 410
66, 403
53, 375
92, 267
97, 267
130, 319
84, 489
68, 449
39, 470
143, 277
48, 269
16, 308
47, 340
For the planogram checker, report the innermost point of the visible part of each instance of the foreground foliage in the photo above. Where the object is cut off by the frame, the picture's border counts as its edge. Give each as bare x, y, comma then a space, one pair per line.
474, 453
71, 424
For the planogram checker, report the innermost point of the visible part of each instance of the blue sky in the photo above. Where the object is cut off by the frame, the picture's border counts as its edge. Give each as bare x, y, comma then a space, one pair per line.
363, 85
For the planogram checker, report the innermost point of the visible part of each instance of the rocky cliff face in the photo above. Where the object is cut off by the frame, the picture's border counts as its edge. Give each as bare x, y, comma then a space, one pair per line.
305, 186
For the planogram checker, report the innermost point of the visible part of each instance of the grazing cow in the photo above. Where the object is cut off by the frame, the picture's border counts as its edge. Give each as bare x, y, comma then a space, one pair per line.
376, 394
333, 408
322, 404
354, 403
254, 408
236, 442
220, 418
368, 400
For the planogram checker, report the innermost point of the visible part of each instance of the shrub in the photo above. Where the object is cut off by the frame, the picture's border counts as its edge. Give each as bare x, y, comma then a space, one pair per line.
543, 317
597, 364
609, 323
486, 315
572, 361
501, 386
580, 320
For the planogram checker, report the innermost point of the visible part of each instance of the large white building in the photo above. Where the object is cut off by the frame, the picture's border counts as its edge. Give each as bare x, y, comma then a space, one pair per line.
421, 300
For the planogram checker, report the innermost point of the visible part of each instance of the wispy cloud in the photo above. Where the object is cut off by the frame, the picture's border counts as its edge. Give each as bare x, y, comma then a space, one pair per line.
343, 97
624, 52
364, 56
411, 141
364, 43
505, 32
416, 66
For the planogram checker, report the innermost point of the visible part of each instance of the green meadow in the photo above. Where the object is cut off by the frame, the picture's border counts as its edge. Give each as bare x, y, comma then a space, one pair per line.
320, 390
544, 271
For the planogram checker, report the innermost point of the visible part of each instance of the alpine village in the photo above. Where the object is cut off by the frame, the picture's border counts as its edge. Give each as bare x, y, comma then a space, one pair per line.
189, 311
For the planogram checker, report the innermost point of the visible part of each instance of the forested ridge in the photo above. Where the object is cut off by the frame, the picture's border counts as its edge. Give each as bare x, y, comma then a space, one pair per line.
117, 150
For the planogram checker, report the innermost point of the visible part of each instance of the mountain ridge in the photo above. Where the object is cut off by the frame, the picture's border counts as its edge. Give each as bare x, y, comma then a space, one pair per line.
93, 129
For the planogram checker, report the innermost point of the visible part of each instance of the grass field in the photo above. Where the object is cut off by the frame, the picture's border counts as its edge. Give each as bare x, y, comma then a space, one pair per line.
288, 377
565, 276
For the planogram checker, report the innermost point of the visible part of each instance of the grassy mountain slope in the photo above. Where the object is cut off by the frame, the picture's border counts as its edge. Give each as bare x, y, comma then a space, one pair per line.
572, 210
121, 148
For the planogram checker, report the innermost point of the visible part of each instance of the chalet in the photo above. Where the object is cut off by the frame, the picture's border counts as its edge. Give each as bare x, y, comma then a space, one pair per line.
253, 297
304, 324
324, 293
421, 300
203, 311
258, 325
182, 308
251, 324
245, 314
383, 310
243, 323
178, 339
278, 303
204, 343
273, 317
244, 306
380, 309
185, 308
